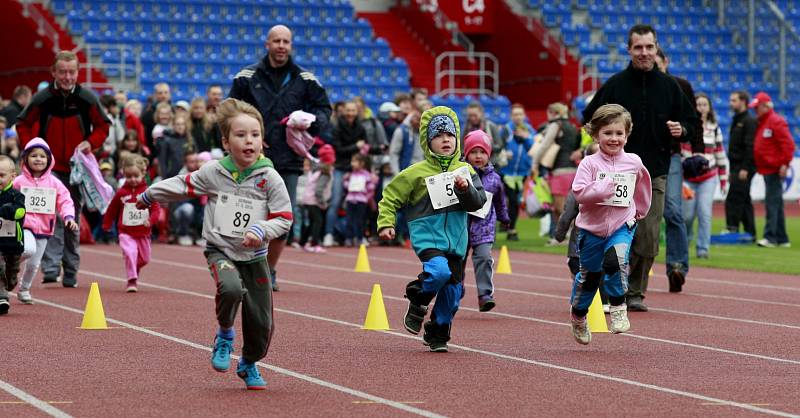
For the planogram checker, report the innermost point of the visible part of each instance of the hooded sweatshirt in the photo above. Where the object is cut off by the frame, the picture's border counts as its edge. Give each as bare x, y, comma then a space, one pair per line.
602, 220
116, 211
442, 229
42, 224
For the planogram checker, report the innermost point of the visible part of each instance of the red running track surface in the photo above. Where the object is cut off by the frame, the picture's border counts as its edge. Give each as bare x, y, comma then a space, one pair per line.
726, 346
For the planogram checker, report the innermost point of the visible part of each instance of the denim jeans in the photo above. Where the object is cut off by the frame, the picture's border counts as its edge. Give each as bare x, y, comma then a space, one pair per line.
336, 200
700, 208
677, 242
775, 227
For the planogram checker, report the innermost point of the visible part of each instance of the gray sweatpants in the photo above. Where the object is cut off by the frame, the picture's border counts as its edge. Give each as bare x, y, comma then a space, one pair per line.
483, 264
63, 246
246, 284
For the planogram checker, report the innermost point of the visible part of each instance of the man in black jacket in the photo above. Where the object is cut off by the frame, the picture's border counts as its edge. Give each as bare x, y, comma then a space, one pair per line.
660, 112
276, 86
19, 99
738, 206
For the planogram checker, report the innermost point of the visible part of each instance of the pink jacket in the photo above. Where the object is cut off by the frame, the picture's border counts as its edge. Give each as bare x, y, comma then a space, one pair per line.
39, 223
603, 220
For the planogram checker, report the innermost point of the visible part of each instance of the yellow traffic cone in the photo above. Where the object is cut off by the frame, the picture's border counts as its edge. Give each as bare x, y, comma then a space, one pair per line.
362, 263
651, 271
503, 263
376, 313
596, 317
93, 315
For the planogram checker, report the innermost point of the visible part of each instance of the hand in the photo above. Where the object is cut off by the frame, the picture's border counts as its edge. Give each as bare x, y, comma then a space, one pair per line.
461, 183
386, 234
360, 143
140, 204
146, 223
782, 171
675, 128
509, 154
722, 186
85, 147
535, 173
743, 175
71, 225
251, 240
576, 155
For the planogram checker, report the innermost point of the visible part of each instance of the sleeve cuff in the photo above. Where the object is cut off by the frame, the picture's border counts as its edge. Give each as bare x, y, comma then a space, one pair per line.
69, 218
258, 231
145, 198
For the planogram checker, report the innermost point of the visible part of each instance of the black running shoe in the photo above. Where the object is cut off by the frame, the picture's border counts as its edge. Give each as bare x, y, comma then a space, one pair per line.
414, 317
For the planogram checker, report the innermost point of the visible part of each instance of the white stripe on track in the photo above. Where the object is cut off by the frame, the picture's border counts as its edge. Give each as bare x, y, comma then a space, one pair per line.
33, 401
405, 407
276, 369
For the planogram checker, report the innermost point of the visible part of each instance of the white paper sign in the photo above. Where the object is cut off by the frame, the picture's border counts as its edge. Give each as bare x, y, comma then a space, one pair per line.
624, 185
234, 214
484, 211
357, 184
441, 188
8, 228
132, 216
40, 200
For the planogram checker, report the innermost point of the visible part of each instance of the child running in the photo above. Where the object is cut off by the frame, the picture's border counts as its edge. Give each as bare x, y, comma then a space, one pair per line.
248, 205
436, 193
12, 217
134, 225
613, 190
482, 222
45, 196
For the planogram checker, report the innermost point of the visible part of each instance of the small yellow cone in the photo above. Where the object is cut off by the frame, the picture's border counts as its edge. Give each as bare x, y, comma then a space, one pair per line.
596, 317
376, 313
93, 315
503, 263
362, 263
651, 271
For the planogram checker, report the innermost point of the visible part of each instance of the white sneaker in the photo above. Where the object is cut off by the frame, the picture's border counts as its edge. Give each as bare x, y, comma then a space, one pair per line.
200, 242
606, 308
580, 330
185, 241
24, 296
365, 242
785, 245
328, 240
763, 242
619, 319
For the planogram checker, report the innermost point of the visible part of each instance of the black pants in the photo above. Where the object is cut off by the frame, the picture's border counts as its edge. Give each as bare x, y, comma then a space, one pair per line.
313, 231
356, 214
738, 205
513, 205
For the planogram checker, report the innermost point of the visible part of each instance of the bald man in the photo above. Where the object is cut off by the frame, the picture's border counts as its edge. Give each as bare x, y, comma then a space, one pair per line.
277, 86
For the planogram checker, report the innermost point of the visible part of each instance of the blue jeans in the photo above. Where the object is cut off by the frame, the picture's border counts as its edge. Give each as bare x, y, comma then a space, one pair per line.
336, 200
700, 208
184, 218
448, 294
604, 259
775, 228
677, 242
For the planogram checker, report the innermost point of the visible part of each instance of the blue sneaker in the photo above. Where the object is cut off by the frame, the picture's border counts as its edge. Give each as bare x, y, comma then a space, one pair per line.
221, 355
252, 378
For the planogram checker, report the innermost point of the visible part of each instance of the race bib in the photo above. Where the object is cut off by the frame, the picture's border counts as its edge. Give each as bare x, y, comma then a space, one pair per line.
357, 184
484, 211
8, 228
441, 187
134, 217
624, 184
40, 200
234, 214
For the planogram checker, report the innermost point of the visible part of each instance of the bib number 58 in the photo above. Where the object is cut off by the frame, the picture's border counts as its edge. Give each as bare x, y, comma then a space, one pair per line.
621, 191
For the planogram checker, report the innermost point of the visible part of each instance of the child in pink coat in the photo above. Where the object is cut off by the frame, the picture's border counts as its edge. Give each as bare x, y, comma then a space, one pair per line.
45, 196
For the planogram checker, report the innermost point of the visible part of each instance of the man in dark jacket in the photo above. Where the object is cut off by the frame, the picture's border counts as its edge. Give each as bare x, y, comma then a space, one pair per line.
70, 118
19, 99
677, 257
738, 206
660, 112
276, 86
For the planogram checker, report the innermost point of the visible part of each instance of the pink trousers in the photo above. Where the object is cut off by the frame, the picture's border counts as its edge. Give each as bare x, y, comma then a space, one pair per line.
136, 252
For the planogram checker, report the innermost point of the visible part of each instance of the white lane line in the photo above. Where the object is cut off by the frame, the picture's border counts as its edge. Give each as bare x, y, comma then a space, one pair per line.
492, 313
353, 392
33, 401
521, 292
586, 373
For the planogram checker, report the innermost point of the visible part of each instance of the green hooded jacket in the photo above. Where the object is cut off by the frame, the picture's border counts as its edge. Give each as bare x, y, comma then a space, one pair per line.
442, 229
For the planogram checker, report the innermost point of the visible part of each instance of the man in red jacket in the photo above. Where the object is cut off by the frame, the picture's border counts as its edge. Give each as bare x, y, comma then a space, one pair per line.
773, 151
69, 118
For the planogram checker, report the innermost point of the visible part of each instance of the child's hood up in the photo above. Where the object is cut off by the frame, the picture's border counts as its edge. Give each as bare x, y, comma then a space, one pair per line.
36, 143
434, 120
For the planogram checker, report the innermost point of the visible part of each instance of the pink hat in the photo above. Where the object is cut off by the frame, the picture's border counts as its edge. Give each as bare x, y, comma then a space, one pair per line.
326, 154
479, 139
760, 98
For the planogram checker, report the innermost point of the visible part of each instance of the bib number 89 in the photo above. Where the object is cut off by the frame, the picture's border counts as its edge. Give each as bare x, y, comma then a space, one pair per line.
241, 220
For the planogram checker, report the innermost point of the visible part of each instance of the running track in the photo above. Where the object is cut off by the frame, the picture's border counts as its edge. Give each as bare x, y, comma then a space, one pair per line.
727, 346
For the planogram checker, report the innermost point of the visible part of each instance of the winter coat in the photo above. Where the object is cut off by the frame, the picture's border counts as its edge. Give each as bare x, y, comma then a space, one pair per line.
482, 231
116, 211
345, 136
774, 145
12, 209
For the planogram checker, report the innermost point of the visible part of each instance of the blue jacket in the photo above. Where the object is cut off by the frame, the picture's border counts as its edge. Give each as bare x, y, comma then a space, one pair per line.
520, 162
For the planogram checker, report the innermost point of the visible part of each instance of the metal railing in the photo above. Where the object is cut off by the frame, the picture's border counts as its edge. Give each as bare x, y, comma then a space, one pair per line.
125, 50
482, 75
43, 27
588, 69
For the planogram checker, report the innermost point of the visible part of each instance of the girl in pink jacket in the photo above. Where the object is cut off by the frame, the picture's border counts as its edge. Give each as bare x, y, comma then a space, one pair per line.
45, 196
613, 191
